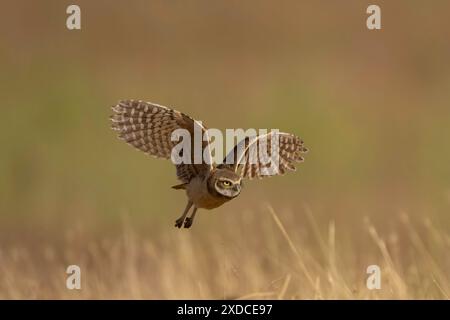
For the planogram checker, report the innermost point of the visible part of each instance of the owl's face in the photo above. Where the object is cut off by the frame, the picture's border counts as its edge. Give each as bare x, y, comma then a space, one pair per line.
227, 183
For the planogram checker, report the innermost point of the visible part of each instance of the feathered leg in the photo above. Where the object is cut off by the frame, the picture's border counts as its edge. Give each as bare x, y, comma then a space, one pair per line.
189, 220
180, 220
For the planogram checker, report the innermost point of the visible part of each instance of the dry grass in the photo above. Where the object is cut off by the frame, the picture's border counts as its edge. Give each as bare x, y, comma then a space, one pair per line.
264, 255
372, 106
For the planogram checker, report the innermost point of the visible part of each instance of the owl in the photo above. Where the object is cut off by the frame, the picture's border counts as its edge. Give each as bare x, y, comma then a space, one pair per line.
149, 127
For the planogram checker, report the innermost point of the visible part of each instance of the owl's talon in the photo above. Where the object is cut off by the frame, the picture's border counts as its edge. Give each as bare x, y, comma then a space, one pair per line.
179, 222
188, 222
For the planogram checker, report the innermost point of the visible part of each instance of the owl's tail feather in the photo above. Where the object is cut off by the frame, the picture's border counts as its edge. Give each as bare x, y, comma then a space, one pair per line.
180, 186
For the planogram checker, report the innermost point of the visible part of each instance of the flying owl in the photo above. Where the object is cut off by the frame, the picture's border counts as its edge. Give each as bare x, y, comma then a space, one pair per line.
149, 127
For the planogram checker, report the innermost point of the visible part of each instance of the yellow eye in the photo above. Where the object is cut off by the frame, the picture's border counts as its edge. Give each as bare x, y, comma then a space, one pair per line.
226, 183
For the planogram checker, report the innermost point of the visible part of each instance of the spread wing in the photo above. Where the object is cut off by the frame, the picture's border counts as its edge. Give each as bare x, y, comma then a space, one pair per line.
253, 156
149, 127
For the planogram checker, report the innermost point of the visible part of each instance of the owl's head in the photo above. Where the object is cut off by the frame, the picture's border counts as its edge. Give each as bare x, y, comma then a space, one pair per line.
226, 182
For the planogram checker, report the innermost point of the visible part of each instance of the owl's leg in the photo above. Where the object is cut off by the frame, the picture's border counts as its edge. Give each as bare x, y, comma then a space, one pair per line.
189, 220
180, 220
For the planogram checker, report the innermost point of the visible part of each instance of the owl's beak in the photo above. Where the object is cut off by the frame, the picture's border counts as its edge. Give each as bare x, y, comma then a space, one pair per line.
237, 187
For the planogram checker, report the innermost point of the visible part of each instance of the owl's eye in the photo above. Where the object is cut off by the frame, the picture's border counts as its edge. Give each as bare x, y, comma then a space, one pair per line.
226, 183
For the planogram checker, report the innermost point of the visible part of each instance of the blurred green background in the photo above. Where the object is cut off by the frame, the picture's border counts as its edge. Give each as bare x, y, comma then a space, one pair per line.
372, 106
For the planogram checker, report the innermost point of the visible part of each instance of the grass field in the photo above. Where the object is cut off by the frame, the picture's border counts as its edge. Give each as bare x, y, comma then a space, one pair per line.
371, 105
261, 254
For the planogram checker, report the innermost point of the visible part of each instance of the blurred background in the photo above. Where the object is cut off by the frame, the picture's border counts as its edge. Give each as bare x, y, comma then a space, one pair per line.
372, 107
